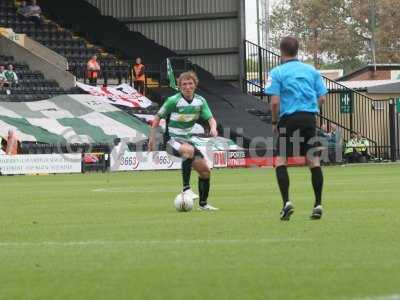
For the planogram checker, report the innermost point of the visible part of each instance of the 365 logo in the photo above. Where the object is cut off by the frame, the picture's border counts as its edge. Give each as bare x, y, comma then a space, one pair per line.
130, 161
163, 160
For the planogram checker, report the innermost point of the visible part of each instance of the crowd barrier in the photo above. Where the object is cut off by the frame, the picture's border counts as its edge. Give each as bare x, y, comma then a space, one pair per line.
40, 164
243, 159
127, 161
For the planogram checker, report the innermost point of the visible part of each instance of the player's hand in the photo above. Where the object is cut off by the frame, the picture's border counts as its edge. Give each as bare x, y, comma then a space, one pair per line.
152, 145
213, 132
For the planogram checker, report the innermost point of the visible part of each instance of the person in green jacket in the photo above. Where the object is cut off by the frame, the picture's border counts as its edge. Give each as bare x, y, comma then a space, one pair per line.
11, 76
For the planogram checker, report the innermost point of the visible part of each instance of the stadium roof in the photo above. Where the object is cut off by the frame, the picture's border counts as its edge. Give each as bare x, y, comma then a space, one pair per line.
374, 86
369, 67
389, 88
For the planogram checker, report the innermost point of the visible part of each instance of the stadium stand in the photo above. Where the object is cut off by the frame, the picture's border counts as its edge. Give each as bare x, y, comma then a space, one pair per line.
32, 85
74, 48
243, 114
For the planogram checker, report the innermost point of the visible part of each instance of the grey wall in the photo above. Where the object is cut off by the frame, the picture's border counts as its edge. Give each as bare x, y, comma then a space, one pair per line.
208, 32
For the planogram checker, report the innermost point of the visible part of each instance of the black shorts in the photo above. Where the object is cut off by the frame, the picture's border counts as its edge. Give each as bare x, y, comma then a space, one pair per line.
139, 86
297, 134
173, 145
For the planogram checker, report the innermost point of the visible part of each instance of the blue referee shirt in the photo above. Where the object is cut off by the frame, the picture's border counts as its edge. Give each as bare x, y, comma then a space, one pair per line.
298, 85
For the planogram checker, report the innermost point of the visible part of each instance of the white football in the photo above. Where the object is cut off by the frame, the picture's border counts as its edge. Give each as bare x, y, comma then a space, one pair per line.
183, 202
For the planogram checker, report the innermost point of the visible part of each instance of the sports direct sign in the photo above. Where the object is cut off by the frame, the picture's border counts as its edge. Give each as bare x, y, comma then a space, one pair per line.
236, 159
220, 159
40, 164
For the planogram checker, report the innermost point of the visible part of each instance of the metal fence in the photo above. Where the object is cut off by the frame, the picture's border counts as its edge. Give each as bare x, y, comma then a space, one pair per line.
351, 111
117, 74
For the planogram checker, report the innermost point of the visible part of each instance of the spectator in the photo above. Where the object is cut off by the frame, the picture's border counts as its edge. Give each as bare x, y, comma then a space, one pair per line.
12, 143
3, 77
11, 76
362, 147
34, 13
3, 145
23, 9
323, 135
322, 131
93, 69
351, 154
334, 143
139, 76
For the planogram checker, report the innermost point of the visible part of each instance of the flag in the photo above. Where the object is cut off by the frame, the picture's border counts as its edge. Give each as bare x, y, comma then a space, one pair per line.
171, 76
122, 94
70, 119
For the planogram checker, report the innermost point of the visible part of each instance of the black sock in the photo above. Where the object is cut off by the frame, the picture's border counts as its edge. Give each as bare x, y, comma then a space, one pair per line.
186, 171
317, 181
204, 188
283, 182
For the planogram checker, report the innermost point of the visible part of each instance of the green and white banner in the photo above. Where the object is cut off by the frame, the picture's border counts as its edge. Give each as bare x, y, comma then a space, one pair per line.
70, 119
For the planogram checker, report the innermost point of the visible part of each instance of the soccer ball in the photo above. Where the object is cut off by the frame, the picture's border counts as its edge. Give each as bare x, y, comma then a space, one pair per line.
183, 202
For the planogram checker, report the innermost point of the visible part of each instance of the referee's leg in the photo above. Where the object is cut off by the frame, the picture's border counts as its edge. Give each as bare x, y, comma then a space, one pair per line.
313, 160
282, 175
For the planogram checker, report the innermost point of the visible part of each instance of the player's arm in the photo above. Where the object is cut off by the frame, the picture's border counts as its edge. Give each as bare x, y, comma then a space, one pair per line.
153, 131
164, 111
213, 127
207, 115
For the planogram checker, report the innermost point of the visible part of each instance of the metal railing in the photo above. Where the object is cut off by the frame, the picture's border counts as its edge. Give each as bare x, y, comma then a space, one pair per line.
123, 73
351, 111
119, 74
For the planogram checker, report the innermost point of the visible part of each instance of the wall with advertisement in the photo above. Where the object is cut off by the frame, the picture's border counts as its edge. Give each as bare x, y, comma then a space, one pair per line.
220, 159
236, 159
157, 160
40, 164
137, 161
242, 159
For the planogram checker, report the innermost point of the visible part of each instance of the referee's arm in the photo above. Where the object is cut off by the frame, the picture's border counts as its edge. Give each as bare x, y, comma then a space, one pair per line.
273, 89
321, 102
275, 100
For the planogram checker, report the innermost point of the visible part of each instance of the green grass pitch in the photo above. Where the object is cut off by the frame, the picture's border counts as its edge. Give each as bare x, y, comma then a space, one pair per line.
118, 236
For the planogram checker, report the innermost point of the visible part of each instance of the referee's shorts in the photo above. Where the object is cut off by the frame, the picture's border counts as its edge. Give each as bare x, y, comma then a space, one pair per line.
297, 134
173, 145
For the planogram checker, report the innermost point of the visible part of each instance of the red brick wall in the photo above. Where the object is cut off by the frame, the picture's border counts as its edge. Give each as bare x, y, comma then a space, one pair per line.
369, 75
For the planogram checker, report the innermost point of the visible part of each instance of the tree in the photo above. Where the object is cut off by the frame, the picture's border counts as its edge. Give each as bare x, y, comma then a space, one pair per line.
381, 19
341, 31
314, 22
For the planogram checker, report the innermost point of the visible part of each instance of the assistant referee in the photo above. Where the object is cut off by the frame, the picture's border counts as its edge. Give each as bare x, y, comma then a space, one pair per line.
297, 92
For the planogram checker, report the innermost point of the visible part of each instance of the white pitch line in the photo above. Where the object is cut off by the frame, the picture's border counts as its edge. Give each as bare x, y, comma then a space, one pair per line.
147, 242
387, 297
151, 189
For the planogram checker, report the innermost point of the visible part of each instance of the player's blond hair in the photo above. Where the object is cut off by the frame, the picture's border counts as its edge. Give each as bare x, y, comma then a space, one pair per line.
187, 76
